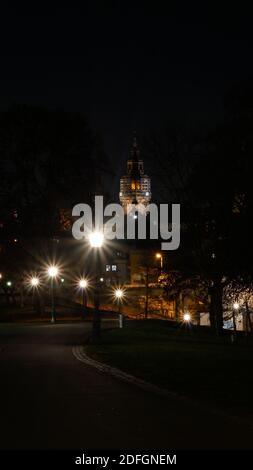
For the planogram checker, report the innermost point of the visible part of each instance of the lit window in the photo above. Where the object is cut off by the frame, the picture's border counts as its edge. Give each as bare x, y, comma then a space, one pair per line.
107, 267
114, 267
133, 185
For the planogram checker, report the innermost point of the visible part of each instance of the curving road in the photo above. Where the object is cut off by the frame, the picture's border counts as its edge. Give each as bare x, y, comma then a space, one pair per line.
51, 400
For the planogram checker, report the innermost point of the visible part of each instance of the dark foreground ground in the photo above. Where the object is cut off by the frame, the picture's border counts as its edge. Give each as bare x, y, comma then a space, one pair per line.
190, 361
51, 400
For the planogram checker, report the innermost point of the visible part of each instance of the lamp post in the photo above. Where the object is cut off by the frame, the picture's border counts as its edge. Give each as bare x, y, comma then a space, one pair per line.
236, 307
160, 257
96, 240
187, 319
34, 282
83, 286
119, 294
52, 272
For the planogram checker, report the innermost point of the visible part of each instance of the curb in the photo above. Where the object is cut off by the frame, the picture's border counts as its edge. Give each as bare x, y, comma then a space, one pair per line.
80, 355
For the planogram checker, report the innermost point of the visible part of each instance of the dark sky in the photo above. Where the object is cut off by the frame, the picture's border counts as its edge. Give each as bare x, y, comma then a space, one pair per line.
126, 67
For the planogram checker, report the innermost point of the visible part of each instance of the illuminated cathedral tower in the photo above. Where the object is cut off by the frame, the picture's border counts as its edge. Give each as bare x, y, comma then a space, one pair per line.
135, 186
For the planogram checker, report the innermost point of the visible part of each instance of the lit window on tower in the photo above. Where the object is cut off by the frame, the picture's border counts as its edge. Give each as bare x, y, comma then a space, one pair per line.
135, 185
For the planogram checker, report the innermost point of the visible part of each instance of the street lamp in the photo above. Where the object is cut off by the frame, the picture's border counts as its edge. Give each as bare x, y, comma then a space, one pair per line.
119, 294
236, 307
34, 282
52, 272
160, 257
83, 284
187, 317
96, 240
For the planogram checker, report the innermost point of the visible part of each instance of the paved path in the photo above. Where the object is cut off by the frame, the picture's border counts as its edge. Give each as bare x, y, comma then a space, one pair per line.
49, 399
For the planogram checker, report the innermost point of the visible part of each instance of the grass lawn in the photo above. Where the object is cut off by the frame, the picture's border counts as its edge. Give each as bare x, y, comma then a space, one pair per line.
190, 362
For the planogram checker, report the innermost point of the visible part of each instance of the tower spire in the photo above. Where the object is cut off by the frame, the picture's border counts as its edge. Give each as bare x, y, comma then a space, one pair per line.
135, 139
135, 152
135, 186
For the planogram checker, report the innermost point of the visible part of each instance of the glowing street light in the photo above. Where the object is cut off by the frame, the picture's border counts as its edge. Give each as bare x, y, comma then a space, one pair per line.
9, 283
34, 281
96, 239
119, 295
187, 317
160, 257
236, 306
52, 273
83, 283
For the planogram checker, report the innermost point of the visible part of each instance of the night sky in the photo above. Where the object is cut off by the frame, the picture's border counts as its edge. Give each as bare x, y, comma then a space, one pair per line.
126, 67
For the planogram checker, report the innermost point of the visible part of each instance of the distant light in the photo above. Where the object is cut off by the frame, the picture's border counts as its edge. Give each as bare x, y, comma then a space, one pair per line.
135, 216
236, 306
9, 283
1, 276
158, 255
62, 280
34, 281
96, 239
101, 279
52, 271
83, 283
187, 317
119, 293
147, 193
15, 240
